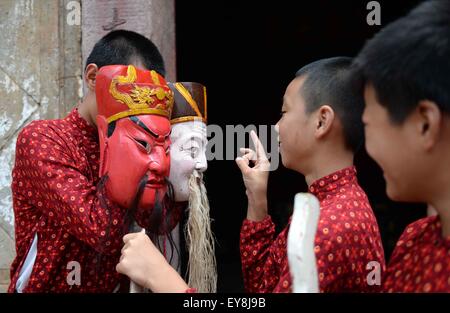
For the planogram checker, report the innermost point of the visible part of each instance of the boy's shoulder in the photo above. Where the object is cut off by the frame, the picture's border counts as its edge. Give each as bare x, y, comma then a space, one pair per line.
416, 235
418, 263
350, 202
38, 128
424, 227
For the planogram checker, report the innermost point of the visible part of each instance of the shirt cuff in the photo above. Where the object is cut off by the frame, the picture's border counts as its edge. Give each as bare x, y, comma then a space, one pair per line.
267, 221
253, 229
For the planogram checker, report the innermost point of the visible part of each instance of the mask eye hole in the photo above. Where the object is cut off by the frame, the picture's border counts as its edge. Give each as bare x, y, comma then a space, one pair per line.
144, 144
194, 152
191, 150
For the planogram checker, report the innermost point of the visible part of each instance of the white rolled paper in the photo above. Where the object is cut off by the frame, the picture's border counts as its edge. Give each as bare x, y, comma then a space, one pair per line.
300, 245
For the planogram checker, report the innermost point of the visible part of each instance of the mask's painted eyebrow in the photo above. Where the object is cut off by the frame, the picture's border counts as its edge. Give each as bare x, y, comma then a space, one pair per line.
139, 123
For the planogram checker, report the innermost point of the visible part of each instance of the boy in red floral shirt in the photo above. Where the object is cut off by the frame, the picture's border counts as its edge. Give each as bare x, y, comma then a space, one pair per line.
407, 122
319, 132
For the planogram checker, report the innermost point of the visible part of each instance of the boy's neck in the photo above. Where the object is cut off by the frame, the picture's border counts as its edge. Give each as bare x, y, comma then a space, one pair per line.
325, 164
439, 187
83, 110
442, 206
445, 222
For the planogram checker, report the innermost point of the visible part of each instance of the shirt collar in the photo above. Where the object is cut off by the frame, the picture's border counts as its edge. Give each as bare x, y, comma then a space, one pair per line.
85, 128
436, 228
86, 134
329, 184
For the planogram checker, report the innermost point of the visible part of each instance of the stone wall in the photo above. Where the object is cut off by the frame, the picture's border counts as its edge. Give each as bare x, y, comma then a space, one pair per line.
34, 75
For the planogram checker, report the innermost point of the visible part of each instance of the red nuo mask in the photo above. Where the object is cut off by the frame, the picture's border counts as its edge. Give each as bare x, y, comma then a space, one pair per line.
134, 107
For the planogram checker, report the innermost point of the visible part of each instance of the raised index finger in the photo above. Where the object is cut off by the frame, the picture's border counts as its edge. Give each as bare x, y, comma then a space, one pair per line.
260, 153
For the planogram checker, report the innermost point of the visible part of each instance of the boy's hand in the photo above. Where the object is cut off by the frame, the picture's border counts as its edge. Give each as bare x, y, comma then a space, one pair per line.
255, 178
144, 264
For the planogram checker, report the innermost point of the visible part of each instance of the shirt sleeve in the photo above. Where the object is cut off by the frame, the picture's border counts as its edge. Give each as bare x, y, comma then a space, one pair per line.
258, 268
345, 245
191, 290
49, 179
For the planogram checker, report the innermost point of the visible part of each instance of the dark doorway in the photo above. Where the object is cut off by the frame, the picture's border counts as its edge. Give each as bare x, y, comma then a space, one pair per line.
246, 52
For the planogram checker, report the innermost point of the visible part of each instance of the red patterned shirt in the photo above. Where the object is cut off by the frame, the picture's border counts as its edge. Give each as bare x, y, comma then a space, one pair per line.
421, 259
347, 240
55, 196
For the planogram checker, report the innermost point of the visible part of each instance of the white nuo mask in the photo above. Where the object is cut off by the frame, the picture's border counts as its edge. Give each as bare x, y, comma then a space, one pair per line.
188, 162
188, 153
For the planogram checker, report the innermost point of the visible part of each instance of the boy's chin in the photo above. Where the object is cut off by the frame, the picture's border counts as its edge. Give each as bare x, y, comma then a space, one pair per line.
287, 162
395, 194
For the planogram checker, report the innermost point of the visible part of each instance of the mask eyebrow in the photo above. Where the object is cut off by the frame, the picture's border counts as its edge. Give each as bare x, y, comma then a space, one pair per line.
139, 123
195, 139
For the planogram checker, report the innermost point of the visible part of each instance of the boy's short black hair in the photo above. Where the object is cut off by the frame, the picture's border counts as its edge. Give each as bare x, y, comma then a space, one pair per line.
331, 82
409, 60
122, 47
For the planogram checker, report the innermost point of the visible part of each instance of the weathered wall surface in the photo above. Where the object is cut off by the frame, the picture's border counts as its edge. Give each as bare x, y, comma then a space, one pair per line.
154, 19
41, 57
40, 75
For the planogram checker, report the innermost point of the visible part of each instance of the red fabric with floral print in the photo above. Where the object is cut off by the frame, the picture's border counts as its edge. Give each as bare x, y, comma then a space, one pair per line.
55, 195
347, 240
421, 259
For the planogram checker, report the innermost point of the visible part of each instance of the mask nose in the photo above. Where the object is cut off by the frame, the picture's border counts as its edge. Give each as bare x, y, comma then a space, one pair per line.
159, 163
202, 164
155, 167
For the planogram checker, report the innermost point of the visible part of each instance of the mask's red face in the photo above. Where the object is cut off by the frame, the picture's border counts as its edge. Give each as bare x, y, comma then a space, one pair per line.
137, 153
134, 106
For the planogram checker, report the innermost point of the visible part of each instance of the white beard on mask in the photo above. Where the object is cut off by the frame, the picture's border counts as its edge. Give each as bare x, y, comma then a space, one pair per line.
202, 269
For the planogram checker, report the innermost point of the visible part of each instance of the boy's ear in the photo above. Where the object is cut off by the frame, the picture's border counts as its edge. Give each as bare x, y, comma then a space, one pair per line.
102, 126
428, 123
89, 76
325, 118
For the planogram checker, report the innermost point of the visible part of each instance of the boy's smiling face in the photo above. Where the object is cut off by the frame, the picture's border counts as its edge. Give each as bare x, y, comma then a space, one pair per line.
404, 150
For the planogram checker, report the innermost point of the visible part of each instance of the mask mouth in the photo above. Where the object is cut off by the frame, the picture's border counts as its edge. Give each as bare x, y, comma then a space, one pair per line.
155, 182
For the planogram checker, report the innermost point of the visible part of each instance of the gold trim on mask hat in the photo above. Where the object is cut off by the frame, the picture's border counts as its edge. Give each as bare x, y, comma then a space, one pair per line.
123, 114
186, 94
155, 77
140, 97
183, 119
